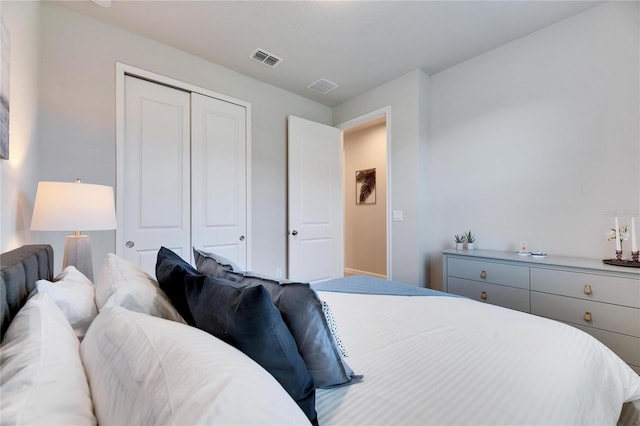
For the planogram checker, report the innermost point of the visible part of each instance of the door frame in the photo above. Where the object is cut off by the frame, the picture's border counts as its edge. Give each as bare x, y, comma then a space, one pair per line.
374, 115
122, 70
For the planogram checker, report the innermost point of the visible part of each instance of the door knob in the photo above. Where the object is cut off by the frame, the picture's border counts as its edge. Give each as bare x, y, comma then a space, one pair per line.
129, 244
294, 232
241, 238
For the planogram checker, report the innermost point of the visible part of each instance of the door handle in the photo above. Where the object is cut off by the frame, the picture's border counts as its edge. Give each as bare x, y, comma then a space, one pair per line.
129, 244
294, 232
241, 238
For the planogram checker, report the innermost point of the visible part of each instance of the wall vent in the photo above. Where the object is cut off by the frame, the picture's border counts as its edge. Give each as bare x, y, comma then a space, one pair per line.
265, 57
322, 86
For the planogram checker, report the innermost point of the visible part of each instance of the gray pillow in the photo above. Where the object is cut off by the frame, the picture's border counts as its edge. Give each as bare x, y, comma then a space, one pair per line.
301, 310
202, 257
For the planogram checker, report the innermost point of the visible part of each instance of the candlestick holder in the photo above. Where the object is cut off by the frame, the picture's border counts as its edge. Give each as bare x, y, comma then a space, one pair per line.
634, 262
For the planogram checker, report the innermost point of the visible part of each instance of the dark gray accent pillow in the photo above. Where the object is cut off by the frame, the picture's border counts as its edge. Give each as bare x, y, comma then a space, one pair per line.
302, 311
202, 257
244, 317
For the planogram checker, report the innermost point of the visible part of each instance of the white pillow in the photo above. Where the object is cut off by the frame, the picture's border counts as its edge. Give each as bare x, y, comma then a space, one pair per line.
43, 380
75, 296
146, 370
121, 283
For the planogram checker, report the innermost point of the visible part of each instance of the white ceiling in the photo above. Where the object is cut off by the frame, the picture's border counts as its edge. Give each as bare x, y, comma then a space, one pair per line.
355, 44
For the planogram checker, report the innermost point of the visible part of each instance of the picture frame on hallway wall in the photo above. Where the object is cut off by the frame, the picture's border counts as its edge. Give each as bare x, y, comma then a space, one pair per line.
4, 89
366, 186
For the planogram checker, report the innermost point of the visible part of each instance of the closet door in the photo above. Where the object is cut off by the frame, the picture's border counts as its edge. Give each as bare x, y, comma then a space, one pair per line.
155, 177
218, 177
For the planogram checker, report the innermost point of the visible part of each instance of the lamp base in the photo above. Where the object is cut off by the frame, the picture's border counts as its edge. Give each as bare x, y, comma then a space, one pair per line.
77, 252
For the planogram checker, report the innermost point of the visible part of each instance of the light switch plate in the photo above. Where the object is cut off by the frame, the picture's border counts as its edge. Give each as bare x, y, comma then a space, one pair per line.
396, 215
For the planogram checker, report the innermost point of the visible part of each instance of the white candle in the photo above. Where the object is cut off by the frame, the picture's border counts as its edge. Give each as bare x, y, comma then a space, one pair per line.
634, 242
618, 245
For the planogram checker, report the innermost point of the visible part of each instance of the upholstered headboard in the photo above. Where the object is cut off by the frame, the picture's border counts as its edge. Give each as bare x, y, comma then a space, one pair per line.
21, 268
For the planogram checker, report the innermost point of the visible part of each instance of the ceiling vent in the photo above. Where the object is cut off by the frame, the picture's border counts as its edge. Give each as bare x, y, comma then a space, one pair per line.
322, 86
265, 57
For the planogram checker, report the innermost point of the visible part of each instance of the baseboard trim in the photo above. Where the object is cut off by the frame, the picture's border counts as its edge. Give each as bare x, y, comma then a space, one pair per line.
350, 271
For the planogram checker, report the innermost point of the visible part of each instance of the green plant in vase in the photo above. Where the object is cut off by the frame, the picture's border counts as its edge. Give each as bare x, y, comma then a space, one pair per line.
470, 238
460, 240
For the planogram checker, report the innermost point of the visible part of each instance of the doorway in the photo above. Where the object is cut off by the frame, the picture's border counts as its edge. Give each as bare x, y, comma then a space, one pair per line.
366, 197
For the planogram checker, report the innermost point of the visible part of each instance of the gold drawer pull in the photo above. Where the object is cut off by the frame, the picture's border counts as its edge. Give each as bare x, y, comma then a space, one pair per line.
587, 289
587, 316
483, 274
483, 295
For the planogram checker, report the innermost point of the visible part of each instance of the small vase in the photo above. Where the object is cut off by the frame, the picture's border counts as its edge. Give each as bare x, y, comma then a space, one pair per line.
459, 246
469, 246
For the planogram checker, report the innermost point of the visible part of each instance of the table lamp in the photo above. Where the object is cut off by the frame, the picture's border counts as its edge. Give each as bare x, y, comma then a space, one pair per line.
67, 206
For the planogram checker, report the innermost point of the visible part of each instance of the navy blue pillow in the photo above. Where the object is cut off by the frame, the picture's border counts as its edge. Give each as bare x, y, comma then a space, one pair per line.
170, 272
246, 318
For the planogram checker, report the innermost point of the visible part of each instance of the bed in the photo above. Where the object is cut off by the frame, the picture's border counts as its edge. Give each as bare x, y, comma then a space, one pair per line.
411, 356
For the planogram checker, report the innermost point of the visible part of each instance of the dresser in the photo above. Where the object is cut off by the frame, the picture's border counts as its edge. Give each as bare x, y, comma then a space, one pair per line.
599, 299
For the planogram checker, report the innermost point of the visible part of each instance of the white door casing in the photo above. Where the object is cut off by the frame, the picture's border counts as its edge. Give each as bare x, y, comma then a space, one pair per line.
218, 178
315, 202
156, 172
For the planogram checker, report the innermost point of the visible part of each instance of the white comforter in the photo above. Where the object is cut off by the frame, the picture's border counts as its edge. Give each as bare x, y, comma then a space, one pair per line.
453, 361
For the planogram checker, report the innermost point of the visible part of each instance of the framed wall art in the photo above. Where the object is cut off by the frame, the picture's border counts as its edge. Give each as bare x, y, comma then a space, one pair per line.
4, 91
366, 186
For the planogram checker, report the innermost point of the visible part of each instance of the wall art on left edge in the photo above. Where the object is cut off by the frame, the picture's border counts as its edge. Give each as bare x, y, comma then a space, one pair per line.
4, 90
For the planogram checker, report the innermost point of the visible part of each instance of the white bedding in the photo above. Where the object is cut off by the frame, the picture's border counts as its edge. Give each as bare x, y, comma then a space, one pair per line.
453, 361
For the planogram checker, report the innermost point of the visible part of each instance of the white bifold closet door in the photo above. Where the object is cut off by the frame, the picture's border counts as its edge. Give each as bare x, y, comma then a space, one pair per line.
219, 178
184, 175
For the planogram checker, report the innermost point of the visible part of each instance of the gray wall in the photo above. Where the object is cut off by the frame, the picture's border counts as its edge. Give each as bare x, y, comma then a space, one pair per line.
77, 118
538, 140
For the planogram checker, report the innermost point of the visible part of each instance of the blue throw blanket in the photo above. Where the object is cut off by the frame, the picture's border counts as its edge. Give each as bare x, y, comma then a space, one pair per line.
369, 285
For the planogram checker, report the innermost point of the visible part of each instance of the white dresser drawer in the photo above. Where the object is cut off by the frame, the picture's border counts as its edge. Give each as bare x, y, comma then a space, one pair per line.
508, 297
602, 288
619, 319
626, 347
490, 272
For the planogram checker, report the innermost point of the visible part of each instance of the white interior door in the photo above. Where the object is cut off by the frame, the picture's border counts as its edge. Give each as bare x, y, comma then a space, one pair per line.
315, 249
219, 182
155, 175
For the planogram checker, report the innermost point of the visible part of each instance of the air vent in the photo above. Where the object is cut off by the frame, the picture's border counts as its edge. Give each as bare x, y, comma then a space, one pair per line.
265, 57
322, 86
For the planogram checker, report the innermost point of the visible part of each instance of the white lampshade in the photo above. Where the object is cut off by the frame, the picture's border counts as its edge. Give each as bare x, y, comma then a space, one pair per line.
67, 206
